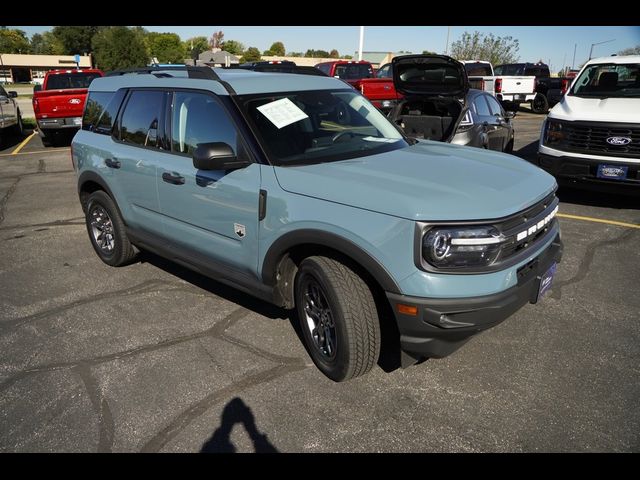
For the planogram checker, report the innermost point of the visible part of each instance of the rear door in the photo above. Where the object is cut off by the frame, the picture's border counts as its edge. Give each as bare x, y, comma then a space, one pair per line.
212, 215
499, 128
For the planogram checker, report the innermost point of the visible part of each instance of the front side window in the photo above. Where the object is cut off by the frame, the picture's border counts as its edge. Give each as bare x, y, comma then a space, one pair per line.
199, 118
319, 126
142, 113
608, 80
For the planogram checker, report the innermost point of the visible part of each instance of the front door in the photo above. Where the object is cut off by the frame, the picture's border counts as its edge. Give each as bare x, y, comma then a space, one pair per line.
212, 214
499, 130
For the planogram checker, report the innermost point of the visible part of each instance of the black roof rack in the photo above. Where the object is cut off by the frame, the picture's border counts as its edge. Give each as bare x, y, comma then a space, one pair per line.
205, 73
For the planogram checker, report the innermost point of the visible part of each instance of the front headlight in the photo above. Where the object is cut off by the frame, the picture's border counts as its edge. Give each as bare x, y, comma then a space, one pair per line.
459, 247
553, 132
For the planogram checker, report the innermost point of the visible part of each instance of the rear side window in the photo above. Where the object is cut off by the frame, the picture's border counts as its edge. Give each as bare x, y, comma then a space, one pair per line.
139, 124
199, 118
101, 110
61, 81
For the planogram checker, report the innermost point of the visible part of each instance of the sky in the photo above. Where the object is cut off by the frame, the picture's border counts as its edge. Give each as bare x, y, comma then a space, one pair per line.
553, 44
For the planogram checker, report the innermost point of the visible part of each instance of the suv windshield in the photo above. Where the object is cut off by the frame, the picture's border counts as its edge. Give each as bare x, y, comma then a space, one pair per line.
605, 80
62, 81
319, 126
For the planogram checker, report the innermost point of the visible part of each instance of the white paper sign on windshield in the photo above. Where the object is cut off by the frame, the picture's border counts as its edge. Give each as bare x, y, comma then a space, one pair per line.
282, 112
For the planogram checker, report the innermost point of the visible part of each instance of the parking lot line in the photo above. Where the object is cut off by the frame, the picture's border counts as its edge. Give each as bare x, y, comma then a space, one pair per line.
599, 220
24, 142
34, 152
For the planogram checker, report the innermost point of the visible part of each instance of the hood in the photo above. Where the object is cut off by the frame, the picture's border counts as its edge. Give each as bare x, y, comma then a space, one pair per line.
426, 181
429, 75
618, 110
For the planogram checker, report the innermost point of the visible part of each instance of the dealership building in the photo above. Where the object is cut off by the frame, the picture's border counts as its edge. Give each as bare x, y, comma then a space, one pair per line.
18, 68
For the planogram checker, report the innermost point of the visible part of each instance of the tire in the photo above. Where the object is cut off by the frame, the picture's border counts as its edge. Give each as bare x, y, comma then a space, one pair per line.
509, 147
107, 231
540, 104
331, 297
18, 128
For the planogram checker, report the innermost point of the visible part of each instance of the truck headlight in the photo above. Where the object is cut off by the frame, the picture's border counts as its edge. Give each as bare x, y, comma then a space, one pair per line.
459, 247
553, 132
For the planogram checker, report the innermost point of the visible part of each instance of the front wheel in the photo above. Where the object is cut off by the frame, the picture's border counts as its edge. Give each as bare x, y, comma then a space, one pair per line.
107, 231
18, 128
338, 318
540, 104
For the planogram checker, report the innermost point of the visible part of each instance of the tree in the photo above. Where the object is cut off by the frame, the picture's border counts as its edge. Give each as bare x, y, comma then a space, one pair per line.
268, 53
216, 39
427, 52
46, 44
347, 57
119, 47
334, 53
316, 53
166, 47
14, 41
277, 48
76, 39
630, 51
478, 46
252, 54
294, 54
234, 47
195, 44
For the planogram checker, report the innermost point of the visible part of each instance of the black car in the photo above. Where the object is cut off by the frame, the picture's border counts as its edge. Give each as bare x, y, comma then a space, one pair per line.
280, 66
438, 105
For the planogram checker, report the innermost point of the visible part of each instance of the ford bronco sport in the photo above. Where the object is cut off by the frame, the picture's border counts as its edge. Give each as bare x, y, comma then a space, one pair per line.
297, 190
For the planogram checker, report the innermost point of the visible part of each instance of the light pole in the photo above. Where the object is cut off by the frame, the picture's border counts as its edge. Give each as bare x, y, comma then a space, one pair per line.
361, 43
599, 43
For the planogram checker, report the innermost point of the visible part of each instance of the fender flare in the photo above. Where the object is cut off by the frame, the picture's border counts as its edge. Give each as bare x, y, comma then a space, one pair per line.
330, 240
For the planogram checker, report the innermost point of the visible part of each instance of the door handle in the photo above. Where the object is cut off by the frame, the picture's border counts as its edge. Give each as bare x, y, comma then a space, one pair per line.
112, 163
174, 178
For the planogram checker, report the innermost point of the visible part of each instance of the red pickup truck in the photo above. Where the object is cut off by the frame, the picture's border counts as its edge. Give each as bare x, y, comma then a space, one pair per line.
59, 103
349, 71
380, 90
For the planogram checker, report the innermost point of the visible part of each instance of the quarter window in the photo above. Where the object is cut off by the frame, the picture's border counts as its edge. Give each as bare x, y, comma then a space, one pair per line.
494, 106
140, 118
199, 118
482, 108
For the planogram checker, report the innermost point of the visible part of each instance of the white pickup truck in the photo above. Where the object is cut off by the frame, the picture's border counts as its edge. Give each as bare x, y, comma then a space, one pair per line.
510, 90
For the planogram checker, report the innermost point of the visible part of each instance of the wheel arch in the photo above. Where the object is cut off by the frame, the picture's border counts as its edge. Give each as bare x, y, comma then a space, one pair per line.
89, 182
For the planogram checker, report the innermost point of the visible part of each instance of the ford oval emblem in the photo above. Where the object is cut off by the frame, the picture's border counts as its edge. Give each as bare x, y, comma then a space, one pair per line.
618, 140
76, 101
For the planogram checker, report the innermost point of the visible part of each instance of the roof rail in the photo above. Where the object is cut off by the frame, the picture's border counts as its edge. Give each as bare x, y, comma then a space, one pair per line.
205, 73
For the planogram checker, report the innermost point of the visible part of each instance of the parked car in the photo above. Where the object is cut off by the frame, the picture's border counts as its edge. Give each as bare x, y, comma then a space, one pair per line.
59, 103
10, 116
280, 66
297, 190
438, 104
380, 90
592, 137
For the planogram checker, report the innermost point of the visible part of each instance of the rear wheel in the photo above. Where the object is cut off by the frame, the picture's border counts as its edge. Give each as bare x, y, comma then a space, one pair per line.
107, 231
540, 104
338, 318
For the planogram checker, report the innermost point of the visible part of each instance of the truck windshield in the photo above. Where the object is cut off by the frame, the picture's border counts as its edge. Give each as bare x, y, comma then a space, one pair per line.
606, 80
61, 81
319, 126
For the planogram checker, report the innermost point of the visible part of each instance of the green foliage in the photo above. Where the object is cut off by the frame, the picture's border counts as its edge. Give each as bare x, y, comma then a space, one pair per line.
197, 44
427, 52
478, 46
294, 54
630, 51
334, 53
277, 48
252, 54
268, 53
46, 44
166, 47
316, 53
120, 47
13, 41
234, 47
347, 57
76, 39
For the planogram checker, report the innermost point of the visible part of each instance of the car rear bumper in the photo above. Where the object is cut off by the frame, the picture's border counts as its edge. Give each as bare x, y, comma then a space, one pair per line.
59, 123
441, 326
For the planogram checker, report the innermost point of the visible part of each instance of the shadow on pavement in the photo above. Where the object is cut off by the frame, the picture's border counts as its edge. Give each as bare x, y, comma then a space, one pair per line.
236, 411
10, 140
529, 152
588, 196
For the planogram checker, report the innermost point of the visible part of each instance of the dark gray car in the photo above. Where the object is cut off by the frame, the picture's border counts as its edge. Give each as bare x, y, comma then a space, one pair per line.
485, 124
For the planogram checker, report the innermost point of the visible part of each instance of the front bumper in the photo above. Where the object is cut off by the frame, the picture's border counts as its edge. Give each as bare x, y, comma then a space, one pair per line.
578, 169
444, 325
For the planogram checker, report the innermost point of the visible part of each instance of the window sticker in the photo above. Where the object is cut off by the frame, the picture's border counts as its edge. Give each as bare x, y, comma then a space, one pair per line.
282, 112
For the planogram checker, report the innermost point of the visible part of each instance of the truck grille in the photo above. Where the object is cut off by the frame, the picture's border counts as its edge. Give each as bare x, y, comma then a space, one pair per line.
591, 138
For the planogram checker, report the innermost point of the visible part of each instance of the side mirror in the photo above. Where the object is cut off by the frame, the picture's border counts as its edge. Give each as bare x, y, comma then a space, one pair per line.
37, 87
509, 114
12, 94
217, 156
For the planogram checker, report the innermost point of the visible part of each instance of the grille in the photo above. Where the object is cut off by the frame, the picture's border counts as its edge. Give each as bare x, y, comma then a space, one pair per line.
591, 138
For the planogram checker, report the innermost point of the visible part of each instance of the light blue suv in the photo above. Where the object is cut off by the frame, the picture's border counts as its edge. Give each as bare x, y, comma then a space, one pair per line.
295, 189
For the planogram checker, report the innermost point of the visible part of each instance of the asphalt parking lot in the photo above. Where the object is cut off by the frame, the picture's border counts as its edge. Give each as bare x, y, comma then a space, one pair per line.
151, 357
